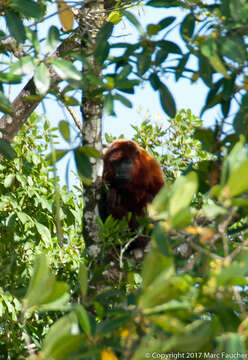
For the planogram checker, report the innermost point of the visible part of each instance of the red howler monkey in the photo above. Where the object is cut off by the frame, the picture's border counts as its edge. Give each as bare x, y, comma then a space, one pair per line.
131, 179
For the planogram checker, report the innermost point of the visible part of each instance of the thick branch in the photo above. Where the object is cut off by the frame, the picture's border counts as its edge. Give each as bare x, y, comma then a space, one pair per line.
23, 107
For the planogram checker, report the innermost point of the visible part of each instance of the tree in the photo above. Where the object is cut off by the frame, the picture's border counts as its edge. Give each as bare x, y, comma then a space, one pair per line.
191, 294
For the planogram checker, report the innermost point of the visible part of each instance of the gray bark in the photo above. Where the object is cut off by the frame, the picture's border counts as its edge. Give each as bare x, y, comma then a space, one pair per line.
90, 21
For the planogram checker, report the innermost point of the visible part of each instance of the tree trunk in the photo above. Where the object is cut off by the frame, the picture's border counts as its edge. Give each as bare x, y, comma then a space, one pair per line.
90, 22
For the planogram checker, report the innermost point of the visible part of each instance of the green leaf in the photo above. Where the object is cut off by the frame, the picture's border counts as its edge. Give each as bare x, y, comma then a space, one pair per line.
83, 319
8, 181
52, 39
234, 161
63, 338
231, 343
105, 32
126, 85
27, 7
90, 151
64, 129
163, 3
6, 149
66, 70
102, 46
159, 235
25, 66
154, 265
83, 164
133, 20
166, 22
234, 49
15, 26
83, 279
187, 27
123, 100
182, 218
58, 299
144, 61
183, 191
40, 285
42, 78
109, 104
169, 46
161, 201
154, 81
44, 233
58, 154
238, 179
101, 52
10, 78
181, 65
167, 100
153, 29
207, 138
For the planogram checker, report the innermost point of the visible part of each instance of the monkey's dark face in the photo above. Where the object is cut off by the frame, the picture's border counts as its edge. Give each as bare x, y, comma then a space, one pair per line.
122, 171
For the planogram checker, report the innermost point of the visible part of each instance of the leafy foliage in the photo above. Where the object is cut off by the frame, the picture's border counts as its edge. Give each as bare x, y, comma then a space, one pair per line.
190, 293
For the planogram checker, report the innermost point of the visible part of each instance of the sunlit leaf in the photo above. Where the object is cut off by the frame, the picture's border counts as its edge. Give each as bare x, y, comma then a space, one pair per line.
24, 66
42, 78
66, 70
52, 39
182, 193
65, 14
63, 338
57, 155
83, 319
83, 278
64, 129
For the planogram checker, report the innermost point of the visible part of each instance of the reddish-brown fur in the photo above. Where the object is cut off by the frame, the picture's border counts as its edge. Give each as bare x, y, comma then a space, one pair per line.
146, 179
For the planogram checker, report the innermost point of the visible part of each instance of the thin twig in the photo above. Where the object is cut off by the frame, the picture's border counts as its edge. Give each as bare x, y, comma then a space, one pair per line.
75, 118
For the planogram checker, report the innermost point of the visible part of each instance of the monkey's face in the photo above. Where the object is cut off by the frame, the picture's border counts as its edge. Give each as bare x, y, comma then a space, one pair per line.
122, 171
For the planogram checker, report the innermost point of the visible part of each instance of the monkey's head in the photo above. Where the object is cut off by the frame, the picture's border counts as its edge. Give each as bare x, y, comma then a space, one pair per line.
119, 161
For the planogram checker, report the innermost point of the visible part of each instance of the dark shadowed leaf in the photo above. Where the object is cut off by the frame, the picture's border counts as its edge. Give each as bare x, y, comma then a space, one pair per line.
27, 7
169, 46
154, 81
206, 137
83, 164
167, 100
15, 26
187, 27
163, 3
6, 150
